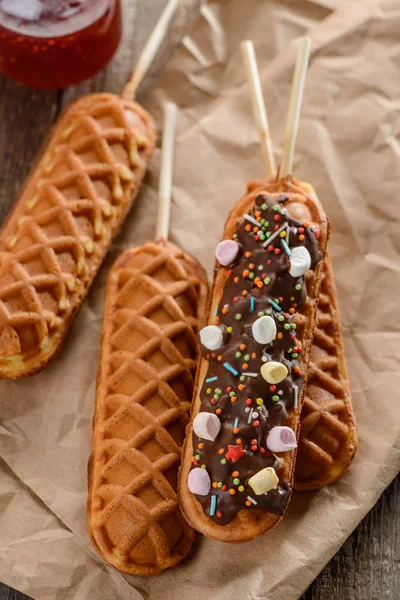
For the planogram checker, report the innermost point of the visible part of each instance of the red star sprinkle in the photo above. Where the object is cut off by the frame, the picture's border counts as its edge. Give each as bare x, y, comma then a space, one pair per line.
235, 452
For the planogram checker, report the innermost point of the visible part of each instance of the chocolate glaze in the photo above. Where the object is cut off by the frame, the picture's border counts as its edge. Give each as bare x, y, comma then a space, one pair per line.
276, 402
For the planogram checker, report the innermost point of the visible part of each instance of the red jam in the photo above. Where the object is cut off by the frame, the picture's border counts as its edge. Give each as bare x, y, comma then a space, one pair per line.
56, 43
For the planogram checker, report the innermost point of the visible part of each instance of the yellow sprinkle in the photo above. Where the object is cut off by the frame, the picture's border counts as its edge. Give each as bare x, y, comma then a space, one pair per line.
203, 466
241, 488
282, 234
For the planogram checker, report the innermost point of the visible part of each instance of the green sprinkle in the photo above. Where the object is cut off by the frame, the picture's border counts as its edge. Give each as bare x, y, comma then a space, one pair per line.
260, 401
238, 317
259, 407
262, 237
231, 394
262, 221
275, 207
238, 354
264, 206
294, 326
286, 326
268, 311
281, 318
267, 280
216, 396
251, 275
290, 350
275, 398
295, 355
223, 461
268, 234
247, 357
236, 481
261, 313
234, 235
218, 391
220, 484
197, 457
242, 378
297, 286
266, 223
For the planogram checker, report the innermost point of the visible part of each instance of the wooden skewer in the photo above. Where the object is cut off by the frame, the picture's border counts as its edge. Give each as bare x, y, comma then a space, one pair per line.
259, 111
150, 50
292, 123
167, 162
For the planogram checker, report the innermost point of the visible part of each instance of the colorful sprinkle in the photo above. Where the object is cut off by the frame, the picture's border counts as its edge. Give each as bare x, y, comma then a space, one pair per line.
250, 499
286, 248
209, 380
252, 304
213, 505
274, 235
229, 367
274, 304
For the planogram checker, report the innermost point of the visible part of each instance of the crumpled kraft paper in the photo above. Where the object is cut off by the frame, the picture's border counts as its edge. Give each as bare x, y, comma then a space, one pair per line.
348, 147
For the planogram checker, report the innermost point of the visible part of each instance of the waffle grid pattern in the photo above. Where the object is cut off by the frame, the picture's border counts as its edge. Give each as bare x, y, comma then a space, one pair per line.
143, 402
328, 437
53, 242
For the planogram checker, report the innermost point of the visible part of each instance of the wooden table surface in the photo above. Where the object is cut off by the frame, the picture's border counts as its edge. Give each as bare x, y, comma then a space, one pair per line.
367, 566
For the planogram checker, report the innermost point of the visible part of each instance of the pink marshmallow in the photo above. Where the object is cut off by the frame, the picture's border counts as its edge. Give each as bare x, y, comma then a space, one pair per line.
199, 482
281, 439
226, 252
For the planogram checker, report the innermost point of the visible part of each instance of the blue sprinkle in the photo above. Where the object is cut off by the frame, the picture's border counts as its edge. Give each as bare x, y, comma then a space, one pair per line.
274, 304
286, 248
236, 423
213, 505
252, 304
210, 379
228, 367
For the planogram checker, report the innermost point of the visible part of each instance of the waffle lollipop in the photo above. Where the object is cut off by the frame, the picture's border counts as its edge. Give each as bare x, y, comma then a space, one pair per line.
73, 203
239, 456
155, 302
328, 435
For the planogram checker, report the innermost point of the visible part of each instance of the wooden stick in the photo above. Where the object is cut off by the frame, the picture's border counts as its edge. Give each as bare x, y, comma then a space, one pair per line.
150, 50
167, 162
292, 123
259, 112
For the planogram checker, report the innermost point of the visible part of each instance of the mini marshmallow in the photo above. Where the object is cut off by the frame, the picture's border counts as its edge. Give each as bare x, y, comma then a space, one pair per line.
199, 482
264, 481
264, 330
211, 337
206, 426
281, 439
300, 261
226, 252
274, 372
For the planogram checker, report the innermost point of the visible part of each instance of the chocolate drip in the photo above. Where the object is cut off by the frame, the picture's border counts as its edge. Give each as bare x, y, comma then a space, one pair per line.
247, 406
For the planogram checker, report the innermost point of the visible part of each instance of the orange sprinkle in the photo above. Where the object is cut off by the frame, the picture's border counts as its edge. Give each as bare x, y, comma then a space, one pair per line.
251, 266
255, 229
260, 284
248, 503
238, 441
224, 311
236, 279
215, 484
221, 451
279, 336
244, 293
257, 213
245, 366
232, 491
240, 386
233, 399
201, 446
218, 411
253, 355
306, 224
235, 430
301, 237
219, 357
247, 254
235, 474
245, 273
242, 346
248, 227
292, 311
296, 369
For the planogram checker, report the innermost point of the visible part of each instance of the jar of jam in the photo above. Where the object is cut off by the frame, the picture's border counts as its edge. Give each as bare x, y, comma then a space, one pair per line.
56, 43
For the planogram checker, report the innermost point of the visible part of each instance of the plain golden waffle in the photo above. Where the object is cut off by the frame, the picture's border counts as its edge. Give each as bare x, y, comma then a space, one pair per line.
328, 436
53, 242
250, 522
155, 300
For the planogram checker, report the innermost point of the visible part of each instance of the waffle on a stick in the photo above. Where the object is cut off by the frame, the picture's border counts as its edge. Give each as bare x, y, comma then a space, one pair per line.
155, 301
55, 238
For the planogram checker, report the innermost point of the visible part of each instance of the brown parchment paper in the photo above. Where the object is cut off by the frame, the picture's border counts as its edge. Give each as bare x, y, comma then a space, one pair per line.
349, 148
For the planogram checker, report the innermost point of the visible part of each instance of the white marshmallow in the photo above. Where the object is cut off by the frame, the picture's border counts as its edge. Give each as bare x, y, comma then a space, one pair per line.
206, 426
300, 261
264, 330
281, 439
274, 372
264, 481
211, 337
226, 252
199, 482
